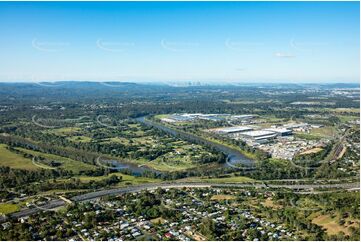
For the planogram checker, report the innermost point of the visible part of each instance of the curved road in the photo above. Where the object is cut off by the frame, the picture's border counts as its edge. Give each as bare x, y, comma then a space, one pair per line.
93, 195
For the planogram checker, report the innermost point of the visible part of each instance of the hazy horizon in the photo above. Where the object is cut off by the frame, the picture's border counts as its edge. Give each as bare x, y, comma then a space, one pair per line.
182, 82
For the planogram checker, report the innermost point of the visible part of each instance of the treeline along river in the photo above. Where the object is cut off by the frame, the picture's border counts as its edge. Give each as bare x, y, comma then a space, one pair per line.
234, 157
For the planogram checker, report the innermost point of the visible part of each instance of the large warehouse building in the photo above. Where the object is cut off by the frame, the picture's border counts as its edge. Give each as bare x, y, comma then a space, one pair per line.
260, 136
235, 131
280, 131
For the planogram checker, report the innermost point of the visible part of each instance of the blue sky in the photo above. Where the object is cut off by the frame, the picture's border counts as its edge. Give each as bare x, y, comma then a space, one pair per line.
196, 41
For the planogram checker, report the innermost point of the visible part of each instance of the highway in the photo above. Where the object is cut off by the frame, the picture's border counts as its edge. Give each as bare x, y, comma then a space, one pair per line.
151, 186
307, 188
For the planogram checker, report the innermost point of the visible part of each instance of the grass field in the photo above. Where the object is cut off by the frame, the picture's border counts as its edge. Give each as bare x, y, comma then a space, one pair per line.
159, 116
306, 136
160, 165
347, 118
159, 220
335, 110
165, 166
73, 134
181, 157
318, 133
57, 192
311, 151
346, 110
67, 164
126, 179
331, 224
326, 132
81, 139
269, 203
279, 162
245, 153
13, 160
65, 131
119, 140
231, 179
221, 197
6, 208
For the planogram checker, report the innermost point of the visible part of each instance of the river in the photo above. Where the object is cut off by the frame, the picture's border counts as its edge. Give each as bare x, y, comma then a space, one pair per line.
234, 157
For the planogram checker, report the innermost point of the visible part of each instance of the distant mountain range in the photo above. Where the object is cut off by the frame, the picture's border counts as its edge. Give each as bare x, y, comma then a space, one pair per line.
92, 84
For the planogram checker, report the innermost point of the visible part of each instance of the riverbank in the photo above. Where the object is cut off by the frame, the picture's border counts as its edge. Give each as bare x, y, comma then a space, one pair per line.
235, 155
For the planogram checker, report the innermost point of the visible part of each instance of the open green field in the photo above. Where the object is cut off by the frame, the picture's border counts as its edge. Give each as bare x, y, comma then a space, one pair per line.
181, 157
331, 224
318, 133
67, 131
166, 165
119, 140
230, 179
243, 152
306, 136
346, 110
13, 160
159, 116
81, 139
347, 118
327, 132
6, 208
66, 163
335, 110
134, 141
126, 179
269, 120
221, 197
74, 134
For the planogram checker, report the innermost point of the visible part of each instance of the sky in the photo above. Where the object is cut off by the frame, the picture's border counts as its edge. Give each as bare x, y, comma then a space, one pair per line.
180, 41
